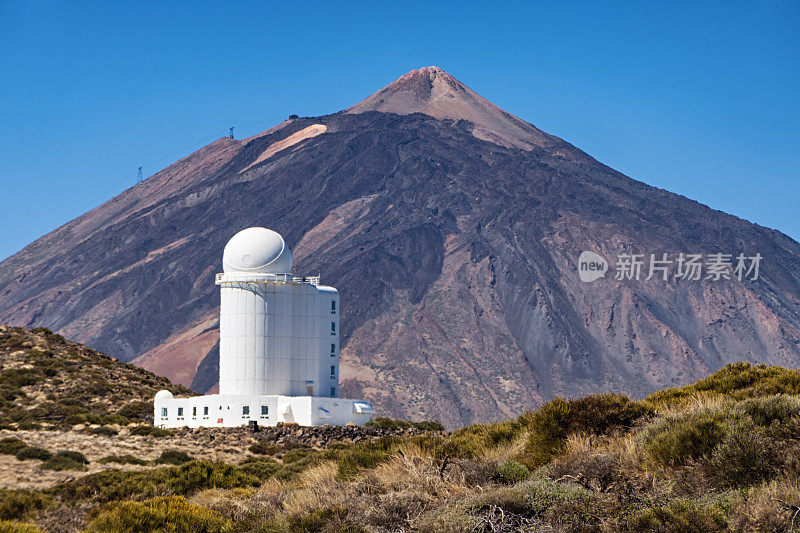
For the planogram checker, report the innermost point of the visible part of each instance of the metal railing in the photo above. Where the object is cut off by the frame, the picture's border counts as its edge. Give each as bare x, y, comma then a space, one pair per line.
234, 277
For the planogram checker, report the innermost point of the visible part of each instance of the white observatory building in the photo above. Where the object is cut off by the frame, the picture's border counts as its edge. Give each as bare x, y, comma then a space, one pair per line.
278, 350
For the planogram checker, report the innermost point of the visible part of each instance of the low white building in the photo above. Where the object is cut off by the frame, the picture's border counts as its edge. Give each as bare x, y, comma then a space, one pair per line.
279, 346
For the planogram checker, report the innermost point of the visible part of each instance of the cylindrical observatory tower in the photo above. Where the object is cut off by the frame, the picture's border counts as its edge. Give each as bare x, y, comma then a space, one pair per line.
279, 334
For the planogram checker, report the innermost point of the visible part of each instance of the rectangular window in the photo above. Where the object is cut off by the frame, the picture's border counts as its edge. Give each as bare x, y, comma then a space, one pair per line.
309, 390
333, 306
205, 411
163, 412
333, 328
264, 410
245, 410
180, 412
333, 350
333, 371
333, 392
194, 412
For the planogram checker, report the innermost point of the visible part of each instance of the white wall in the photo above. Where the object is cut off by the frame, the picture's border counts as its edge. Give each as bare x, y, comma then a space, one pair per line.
225, 410
275, 336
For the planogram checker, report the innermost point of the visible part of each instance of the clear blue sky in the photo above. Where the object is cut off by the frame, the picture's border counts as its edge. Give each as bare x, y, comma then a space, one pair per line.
701, 98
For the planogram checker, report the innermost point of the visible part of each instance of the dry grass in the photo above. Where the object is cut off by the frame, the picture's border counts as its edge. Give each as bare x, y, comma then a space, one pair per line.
603, 463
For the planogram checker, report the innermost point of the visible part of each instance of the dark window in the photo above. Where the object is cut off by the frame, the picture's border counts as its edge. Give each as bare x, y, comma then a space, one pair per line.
245, 410
194, 411
164, 412
333, 392
205, 411
333, 327
333, 350
180, 411
264, 410
333, 371
333, 306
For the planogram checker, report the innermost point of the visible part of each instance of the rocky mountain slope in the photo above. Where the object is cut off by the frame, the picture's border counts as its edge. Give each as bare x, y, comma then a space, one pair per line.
452, 230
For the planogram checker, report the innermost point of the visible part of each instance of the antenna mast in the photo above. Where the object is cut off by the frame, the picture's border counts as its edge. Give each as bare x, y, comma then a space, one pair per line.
230, 132
139, 174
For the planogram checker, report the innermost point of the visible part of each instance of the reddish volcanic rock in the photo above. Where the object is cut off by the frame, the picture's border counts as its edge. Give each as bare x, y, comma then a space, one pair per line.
451, 229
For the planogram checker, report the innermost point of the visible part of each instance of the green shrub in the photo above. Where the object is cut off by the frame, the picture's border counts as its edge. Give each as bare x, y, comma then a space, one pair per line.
107, 420
20, 377
769, 410
7, 526
388, 423
102, 430
32, 452
21, 504
150, 431
65, 461
675, 440
364, 455
746, 455
173, 457
75, 419
136, 410
181, 480
12, 341
553, 422
12, 445
680, 516
169, 514
263, 448
122, 459
262, 468
738, 381
553, 505
512, 472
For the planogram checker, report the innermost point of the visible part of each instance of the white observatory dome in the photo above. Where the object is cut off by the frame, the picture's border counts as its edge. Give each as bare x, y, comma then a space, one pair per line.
257, 250
163, 395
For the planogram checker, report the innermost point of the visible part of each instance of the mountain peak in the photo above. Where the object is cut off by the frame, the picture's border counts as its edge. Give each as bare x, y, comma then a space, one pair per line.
434, 92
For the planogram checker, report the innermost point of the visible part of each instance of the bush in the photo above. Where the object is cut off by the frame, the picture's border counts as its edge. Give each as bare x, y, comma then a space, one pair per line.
18, 527
181, 480
770, 410
744, 457
136, 410
12, 445
261, 468
388, 423
32, 452
150, 431
173, 457
75, 419
122, 459
20, 377
102, 430
65, 461
473, 441
169, 514
736, 380
20, 504
364, 455
553, 422
679, 516
675, 440
512, 472
263, 448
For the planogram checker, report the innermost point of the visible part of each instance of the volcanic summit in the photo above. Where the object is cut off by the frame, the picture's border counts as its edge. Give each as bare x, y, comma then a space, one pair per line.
451, 229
